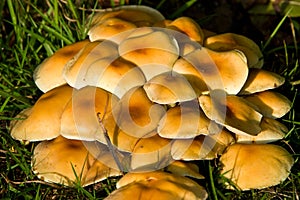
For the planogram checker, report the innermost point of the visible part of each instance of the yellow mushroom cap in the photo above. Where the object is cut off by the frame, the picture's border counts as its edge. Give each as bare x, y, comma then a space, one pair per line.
169, 88
230, 41
63, 161
42, 121
79, 119
260, 80
49, 74
234, 112
270, 104
271, 131
182, 168
256, 166
185, 121
136, 115
157, 185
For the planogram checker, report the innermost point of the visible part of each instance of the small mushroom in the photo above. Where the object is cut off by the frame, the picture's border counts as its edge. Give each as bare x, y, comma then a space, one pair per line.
260, 80
169, 88
230, 41
157, 185
234, 112
49, 74
66, 162
271, 131
270, 104
42, 121
255, 166
185, 121
79, 120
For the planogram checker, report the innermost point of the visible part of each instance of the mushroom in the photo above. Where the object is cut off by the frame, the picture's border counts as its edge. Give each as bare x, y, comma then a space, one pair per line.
182, 168
137, 14
260, 80
270, 104
255, 166
42, 121
79, 120
157, 185
234, 112
66, 162
49, 74
136, 115
189, 27
169, 88
231, 41
185, 121
271, 131
146, 46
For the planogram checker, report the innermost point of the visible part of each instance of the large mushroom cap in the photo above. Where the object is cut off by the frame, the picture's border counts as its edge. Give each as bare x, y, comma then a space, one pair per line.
157, 185
230, 41
64, 161
79, 120
49, 74
256, 166
42, 121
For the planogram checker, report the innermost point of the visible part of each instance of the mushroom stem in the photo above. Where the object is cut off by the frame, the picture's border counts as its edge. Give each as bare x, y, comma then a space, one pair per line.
111, 148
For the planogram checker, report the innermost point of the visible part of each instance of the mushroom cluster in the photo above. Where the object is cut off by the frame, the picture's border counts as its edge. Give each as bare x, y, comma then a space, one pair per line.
148, 96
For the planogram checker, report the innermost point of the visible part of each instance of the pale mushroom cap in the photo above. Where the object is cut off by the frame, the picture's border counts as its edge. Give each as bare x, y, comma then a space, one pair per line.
110, 29
157, 185
79, 119
182, 168
136, 115
234, 112
150, 47
61, 160
256, 166
260, 80
49, 74
270, 104
185, 121
230, 41
271, 131
169, 88
43, 120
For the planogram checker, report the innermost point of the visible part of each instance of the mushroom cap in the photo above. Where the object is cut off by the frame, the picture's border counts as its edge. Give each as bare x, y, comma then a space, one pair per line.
230, 41
76, 69
110, 29
256, 166
182, 168
137, 14
270, 104
260, 80
234, 112
157, 185
189, 27
63, 161
169, 88
49, 74
185, 121
148, 46
136, 115
271, 131
79, 120
43, 120
198, 148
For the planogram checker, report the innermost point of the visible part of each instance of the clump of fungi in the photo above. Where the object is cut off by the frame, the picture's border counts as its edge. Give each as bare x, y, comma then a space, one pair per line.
147, 96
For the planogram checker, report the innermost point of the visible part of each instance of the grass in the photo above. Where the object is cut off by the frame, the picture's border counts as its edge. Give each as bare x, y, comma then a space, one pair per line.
33, 30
